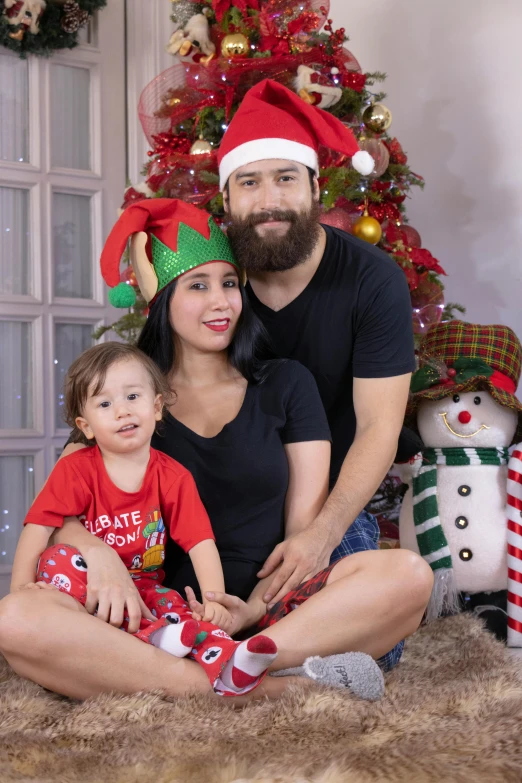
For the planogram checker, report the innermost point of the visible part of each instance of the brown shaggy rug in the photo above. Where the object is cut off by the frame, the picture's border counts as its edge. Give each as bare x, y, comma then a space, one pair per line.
452, 712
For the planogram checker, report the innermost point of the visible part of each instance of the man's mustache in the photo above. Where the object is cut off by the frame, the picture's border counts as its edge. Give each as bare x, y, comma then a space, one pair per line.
288, 216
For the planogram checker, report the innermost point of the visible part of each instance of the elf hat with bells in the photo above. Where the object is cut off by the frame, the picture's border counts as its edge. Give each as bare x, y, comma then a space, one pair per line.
457, 356
172, 238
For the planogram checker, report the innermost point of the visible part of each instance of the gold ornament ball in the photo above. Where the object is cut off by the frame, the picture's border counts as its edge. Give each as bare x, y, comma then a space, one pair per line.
367, 228
201, 147
235, 45
377, 118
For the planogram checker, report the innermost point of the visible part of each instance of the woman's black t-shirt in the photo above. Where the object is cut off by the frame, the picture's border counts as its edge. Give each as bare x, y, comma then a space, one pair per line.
242, 473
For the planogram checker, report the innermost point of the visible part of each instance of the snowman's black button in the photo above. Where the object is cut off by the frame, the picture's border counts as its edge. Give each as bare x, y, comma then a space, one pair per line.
464, 490
461, 523
465, 554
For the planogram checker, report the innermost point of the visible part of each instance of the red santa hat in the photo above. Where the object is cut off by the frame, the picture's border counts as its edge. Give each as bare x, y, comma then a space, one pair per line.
273, 122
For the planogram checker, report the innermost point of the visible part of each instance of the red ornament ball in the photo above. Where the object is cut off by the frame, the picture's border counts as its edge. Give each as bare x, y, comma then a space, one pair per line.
128, 276
339, 218
412, 236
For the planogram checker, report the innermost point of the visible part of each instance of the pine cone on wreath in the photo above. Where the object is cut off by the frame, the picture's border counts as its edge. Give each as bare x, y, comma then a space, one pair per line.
74, 17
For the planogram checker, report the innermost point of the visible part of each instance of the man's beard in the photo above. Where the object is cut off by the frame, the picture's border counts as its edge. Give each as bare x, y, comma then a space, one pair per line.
275, 253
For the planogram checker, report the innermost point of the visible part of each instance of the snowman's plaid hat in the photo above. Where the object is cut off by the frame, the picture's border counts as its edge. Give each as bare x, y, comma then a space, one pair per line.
461, 357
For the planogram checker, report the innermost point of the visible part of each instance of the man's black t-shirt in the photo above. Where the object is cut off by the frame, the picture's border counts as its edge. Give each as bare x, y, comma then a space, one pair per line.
242, 473
352, 320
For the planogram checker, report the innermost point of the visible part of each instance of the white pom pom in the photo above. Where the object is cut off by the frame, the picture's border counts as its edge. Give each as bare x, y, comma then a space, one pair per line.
363, 162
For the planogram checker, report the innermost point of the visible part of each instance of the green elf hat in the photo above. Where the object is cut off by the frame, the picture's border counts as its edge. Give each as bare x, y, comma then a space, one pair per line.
180, 237
461, 357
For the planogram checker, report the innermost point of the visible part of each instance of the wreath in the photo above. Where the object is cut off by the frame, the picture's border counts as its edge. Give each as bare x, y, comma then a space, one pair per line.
43, 26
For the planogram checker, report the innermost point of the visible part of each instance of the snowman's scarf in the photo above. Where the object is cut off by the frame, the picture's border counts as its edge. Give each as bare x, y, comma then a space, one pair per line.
428, 529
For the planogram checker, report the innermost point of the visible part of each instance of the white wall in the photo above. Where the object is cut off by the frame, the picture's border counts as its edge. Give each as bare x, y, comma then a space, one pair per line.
455, 90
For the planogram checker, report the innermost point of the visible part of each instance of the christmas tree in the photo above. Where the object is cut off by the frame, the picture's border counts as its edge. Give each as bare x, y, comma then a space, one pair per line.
221, 49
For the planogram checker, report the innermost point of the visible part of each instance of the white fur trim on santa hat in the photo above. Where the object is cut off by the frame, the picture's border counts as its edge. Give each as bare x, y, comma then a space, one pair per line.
266, 149
363, 162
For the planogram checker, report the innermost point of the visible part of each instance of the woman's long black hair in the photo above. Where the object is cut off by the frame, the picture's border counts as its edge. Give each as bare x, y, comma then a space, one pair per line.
248, 352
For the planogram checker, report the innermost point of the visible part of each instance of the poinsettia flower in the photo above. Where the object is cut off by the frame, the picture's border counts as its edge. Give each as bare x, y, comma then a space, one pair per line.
271, 43
394, 234
422, 257
220, 7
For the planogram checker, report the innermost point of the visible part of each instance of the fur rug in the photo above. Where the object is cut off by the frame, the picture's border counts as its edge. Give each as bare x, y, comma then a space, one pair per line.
452, 712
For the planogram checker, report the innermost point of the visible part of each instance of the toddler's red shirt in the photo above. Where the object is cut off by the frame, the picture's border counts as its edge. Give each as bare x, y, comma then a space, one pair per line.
133, 523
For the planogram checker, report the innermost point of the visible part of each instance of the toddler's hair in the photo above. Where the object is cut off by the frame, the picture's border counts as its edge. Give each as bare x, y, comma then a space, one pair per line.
87, 374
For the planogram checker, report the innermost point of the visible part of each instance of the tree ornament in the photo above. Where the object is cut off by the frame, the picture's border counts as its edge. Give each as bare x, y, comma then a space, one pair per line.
24, 16
377, 118
413, 238
129, 276
367, 228
317, 88
193, 40
379, 152
201, 147
74, 17
339, 218
235, 45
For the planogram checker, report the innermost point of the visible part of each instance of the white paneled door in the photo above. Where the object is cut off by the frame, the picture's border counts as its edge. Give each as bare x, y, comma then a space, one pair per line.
62, 176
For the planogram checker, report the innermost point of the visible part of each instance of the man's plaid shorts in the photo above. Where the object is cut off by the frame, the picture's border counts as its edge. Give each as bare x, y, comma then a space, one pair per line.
360, 537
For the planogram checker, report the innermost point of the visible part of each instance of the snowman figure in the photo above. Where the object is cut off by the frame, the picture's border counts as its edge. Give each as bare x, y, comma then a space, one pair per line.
456, 511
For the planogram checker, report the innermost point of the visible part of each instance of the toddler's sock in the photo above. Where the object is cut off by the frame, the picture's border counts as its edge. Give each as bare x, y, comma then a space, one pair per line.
251, 658
177, 639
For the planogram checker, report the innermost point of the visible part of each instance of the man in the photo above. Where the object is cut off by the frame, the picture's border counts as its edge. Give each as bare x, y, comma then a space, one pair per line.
336, 304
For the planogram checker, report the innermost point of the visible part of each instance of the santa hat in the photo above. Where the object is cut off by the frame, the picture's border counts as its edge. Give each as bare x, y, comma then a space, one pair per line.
274, 122
180, 237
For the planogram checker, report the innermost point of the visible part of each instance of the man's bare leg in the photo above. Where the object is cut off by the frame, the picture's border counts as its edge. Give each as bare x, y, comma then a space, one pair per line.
48, 637
371, 601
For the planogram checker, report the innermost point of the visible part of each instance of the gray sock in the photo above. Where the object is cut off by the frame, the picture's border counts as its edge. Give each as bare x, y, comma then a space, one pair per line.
356, 671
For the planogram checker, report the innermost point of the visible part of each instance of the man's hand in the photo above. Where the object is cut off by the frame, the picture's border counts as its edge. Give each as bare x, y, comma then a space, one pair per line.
111, 589
302, 556
238, 609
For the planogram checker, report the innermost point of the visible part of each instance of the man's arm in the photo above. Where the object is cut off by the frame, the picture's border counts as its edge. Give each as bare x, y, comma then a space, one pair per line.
379, 405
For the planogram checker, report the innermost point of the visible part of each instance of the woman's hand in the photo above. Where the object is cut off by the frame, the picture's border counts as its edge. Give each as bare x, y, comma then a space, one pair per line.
239, 610
110, 588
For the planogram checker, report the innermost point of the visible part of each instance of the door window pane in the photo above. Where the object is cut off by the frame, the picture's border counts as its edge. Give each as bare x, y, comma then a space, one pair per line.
16, 381
14, 108
70, 117
72, 246
14, 241
16, 495
69, 342
88, 33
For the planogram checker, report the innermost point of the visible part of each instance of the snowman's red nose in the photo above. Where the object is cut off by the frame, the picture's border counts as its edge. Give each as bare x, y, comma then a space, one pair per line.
464, 417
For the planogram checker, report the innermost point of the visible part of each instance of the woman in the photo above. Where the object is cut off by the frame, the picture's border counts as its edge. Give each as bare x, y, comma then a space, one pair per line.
254, 435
